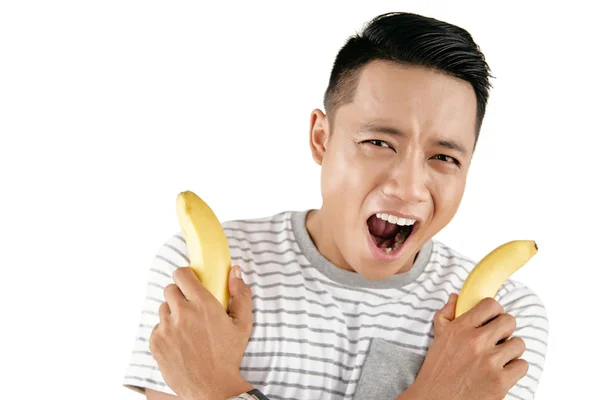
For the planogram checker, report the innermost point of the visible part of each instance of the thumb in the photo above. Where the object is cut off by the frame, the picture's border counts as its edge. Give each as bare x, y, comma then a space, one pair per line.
445, 315
240, 309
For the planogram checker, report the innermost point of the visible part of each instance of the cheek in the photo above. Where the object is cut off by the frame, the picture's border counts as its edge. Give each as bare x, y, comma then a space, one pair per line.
446, 193
345, 174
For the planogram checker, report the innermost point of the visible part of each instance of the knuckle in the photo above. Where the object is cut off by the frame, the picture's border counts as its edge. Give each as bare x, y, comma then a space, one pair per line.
177, 273
492, 305
520, 343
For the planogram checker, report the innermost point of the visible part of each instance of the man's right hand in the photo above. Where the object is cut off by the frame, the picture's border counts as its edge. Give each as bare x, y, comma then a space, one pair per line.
466, 360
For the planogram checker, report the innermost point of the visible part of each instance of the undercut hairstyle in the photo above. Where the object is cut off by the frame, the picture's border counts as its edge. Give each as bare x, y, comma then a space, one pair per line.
414, 40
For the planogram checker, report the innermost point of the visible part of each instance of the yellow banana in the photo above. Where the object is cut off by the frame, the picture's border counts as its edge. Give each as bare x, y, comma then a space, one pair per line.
207, 244
489, 274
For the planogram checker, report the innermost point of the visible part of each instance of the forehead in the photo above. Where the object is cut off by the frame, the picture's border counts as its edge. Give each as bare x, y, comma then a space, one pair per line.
415, 100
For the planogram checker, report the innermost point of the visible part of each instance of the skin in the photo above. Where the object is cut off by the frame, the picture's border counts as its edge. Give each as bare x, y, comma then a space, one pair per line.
404, 144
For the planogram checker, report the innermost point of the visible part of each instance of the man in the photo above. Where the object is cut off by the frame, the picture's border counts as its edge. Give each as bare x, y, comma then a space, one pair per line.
355, 300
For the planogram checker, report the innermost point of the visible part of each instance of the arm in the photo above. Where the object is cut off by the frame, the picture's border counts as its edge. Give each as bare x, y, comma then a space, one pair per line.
154, 395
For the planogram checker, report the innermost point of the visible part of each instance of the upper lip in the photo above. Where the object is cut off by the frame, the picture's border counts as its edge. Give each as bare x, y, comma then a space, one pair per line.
398, 214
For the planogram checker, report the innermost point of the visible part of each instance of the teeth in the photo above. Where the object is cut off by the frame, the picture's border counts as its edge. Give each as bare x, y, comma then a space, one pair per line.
395, 220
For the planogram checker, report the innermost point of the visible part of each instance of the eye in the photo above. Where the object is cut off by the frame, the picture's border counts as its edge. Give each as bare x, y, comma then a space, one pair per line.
379, 143
445, 158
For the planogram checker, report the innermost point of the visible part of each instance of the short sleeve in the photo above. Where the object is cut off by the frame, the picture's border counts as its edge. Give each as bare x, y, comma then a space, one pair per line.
142, 371
532, 326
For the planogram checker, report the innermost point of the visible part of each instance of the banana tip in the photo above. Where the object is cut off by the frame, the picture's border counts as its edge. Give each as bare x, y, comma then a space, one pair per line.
535, 245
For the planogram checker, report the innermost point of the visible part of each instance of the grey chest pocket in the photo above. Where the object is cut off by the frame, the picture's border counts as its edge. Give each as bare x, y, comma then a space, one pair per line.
388, 371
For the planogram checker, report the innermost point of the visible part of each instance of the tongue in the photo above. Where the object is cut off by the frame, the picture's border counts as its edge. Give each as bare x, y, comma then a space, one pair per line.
381, 228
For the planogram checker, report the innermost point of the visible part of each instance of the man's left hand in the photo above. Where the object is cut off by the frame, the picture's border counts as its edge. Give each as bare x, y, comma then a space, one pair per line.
197, 345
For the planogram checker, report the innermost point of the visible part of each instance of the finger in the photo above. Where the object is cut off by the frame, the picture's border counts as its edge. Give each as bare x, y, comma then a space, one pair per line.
516, 370
174, 297
164, 311
189, 284
511, 350
500, 327
445, 314
240, 309
484, 311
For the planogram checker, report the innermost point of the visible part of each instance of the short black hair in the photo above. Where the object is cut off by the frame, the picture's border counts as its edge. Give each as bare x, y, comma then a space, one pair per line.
410, 39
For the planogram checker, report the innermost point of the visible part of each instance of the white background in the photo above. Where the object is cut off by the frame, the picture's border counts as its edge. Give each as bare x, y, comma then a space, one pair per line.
108, 109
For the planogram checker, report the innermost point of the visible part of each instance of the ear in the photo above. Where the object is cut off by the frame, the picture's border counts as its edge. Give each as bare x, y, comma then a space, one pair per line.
319, 135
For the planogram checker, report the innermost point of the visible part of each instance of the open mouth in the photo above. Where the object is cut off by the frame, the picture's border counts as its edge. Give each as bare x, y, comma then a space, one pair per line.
389, 232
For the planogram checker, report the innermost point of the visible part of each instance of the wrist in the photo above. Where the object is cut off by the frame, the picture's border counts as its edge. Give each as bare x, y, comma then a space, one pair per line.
233, 388
222, 390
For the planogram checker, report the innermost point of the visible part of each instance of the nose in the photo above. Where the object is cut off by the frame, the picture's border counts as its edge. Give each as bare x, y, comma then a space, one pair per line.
407, 180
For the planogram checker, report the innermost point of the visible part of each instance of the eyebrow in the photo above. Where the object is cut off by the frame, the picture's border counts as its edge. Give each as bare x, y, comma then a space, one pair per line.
447, 143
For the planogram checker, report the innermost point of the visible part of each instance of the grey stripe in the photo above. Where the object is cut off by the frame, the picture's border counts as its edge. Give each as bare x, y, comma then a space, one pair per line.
300, 356
349, 315
534, 339
181, 238
156, 285
520, 298
321, 292
299, 312
298, 386
334, 318
448, 273
532, 327
158, 271
146, 326
155, 299
299, 371
450, 254
267, 262
263, 274
531, 316
539, 353
165, 259
137, 378
257, 252
150, 312
396, 302
141, 339
176, 250
527, 306
306, 341
532, 364
515, 396
356, 341
263, 221
366, 291
263, 241
272, 298
145, 366
144, 352
440, 282
525, 388
350, 328
258, 231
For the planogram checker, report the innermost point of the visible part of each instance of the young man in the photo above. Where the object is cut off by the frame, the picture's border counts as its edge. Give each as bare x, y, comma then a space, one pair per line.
355, 300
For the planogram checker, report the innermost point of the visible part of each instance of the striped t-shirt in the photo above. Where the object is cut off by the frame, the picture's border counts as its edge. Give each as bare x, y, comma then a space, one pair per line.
321, 332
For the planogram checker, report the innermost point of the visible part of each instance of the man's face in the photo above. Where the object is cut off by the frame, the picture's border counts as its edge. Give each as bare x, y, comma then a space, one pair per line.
402, 147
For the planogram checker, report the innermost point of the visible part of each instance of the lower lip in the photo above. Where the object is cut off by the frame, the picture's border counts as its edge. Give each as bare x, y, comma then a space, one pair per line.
381, 255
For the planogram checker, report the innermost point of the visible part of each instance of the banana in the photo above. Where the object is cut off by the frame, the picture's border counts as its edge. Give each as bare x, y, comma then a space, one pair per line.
207, 244
489, 274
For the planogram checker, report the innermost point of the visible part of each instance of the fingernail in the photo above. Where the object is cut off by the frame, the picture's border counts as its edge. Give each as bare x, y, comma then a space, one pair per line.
238, 272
